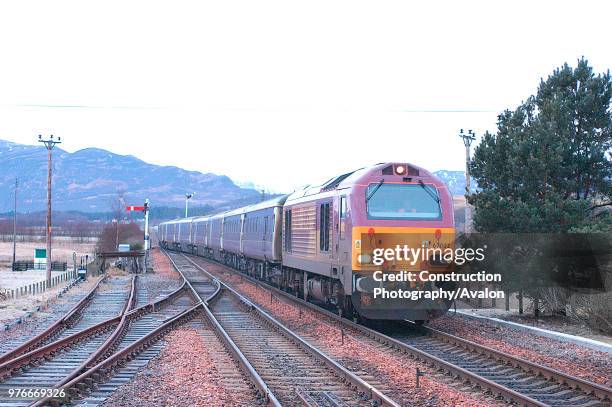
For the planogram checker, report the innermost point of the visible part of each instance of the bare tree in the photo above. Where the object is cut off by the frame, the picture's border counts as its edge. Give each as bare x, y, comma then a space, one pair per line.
125, 233
116, 206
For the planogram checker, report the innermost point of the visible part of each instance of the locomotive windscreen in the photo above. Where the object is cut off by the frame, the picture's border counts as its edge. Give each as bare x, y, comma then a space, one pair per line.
402, 201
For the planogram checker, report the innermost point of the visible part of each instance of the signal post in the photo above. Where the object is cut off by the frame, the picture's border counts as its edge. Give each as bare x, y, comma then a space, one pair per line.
147, 244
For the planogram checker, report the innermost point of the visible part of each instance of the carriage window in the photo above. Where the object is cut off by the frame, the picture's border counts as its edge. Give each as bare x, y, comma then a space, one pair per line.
342, 207
324, 227
265, 233
288, 230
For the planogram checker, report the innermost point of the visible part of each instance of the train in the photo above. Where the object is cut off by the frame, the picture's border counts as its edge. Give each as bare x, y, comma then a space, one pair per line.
318, 242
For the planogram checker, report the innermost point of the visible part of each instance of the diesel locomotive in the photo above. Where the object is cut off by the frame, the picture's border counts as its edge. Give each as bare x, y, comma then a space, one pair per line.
318, 242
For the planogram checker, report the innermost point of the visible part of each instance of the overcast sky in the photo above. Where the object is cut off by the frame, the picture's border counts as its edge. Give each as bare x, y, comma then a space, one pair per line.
282, 93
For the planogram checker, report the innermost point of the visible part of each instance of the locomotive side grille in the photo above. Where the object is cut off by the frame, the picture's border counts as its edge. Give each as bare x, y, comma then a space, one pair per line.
304, 230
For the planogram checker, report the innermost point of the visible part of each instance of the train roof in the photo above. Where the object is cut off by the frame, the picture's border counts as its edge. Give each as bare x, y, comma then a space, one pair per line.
178, 220
338, 182
348, 179
276, 201
270, 203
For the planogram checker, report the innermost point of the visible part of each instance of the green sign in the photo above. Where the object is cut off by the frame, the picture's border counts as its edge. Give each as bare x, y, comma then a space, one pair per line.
40, 253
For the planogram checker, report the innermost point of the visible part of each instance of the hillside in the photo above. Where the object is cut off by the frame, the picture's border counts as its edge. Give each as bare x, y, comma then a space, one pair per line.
455, 180
90, 180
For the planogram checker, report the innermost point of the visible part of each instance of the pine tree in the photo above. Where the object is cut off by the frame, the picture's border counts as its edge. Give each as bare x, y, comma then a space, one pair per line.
548, 168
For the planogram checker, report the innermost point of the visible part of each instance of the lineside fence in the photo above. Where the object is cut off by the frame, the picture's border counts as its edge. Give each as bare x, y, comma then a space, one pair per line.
37, 288
21, 265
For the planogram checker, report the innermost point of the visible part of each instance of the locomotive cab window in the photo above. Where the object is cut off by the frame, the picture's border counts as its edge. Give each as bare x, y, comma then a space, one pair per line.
401, 201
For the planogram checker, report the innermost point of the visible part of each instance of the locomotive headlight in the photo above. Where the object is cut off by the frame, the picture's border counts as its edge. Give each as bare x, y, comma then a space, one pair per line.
400, 169
364, 259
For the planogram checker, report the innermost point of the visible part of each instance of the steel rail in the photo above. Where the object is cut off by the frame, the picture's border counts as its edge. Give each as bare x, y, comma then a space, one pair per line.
54, 329
484, 383
602, 392
81, 378
227, 341
43, 352
110, 341
340, 371
104, 368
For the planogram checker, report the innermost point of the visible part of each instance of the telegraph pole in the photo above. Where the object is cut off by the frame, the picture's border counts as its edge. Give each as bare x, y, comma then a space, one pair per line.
467, 142
49, 144
15, 223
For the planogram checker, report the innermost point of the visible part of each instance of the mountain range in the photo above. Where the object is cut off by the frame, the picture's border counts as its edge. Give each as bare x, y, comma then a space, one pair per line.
455, 180
95, 180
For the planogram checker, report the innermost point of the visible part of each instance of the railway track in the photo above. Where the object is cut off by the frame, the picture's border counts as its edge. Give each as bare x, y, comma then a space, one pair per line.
142, 322
282, 365
90, 357
504, 376
50, 364
19, 346
110, 300
104, 323
105, 301
286, 369
131, 345
93, 354
153, 286
543, 385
